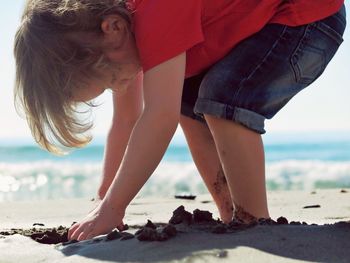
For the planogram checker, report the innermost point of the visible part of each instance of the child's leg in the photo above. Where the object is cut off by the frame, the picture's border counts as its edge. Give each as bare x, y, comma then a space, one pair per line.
242, 157
204, 154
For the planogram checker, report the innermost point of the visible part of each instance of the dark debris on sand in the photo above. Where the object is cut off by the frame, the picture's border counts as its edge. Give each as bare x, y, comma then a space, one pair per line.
115, 234
311, 206
202, 220
282, 221
156, 232
185, 196
42, 235
181, 221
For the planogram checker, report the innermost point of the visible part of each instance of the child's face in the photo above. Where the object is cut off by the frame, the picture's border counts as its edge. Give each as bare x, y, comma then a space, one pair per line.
89, 92
126, 61
123, 55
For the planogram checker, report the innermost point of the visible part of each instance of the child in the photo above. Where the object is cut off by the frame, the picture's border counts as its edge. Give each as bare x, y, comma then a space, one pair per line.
226, 66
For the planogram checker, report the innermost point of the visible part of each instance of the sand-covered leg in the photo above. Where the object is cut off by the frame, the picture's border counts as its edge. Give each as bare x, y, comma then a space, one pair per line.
204, 154
241, 154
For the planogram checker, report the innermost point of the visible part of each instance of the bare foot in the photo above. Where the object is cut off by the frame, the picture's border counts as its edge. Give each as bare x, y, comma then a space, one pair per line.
226, 211
222, 197
241, 214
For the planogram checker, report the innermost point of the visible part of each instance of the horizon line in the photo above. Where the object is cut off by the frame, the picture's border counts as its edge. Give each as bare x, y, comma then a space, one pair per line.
274, 136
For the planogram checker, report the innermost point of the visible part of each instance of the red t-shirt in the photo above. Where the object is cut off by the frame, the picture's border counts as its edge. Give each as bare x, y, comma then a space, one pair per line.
208, 29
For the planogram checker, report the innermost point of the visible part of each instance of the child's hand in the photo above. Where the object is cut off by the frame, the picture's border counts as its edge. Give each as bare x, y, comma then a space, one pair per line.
103, 219
96, 202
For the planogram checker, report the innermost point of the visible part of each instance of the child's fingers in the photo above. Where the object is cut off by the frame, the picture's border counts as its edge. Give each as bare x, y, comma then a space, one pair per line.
92, 234
83, 235
71, 230
77, 232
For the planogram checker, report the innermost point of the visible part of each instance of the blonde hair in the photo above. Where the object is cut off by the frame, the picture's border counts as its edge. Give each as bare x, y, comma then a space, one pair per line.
57, 50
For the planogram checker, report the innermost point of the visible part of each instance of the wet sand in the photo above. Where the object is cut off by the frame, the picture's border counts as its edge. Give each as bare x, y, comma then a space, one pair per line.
315, 227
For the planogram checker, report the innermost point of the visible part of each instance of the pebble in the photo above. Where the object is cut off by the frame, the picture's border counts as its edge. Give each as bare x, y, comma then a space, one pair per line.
282, 221
113, 235
202, 216
311, 206
180, 215
222, 254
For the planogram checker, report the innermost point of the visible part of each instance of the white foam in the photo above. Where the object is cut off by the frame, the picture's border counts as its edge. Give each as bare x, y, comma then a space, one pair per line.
305, 174
49, 179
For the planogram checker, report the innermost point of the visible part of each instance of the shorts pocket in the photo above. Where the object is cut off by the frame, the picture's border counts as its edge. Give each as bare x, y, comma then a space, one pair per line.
308, 61
308, 64
315, 50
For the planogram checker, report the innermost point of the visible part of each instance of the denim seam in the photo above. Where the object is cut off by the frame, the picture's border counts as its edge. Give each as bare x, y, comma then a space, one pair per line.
222, 113
188, 111
241, 84
297, 50
240, 116
324, 28
221, 106
341, 19
341, 15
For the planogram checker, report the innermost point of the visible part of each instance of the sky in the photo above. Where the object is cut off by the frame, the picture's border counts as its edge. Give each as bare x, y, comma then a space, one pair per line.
322, 107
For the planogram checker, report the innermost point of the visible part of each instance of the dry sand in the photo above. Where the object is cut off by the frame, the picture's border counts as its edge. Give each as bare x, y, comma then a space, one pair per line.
326, 242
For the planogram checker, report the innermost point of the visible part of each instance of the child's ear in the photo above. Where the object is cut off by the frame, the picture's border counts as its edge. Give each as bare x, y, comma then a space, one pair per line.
112, 25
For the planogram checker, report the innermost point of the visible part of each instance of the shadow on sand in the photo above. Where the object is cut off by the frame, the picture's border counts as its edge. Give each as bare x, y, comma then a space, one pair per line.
314, 243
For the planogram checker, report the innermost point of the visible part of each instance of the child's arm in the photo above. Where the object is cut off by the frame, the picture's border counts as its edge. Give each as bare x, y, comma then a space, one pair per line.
127, 108
153, 131
148, 142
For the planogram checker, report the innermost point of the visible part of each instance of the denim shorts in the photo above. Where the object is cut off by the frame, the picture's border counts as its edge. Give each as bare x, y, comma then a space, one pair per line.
263, 72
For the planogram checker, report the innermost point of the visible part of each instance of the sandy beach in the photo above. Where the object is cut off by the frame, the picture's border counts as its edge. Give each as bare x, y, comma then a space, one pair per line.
324, 236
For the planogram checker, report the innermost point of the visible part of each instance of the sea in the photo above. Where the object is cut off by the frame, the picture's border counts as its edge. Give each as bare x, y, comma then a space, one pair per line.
294, 161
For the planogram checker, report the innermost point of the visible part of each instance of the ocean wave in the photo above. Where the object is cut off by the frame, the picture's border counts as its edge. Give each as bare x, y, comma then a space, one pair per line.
320, 150
54, 180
